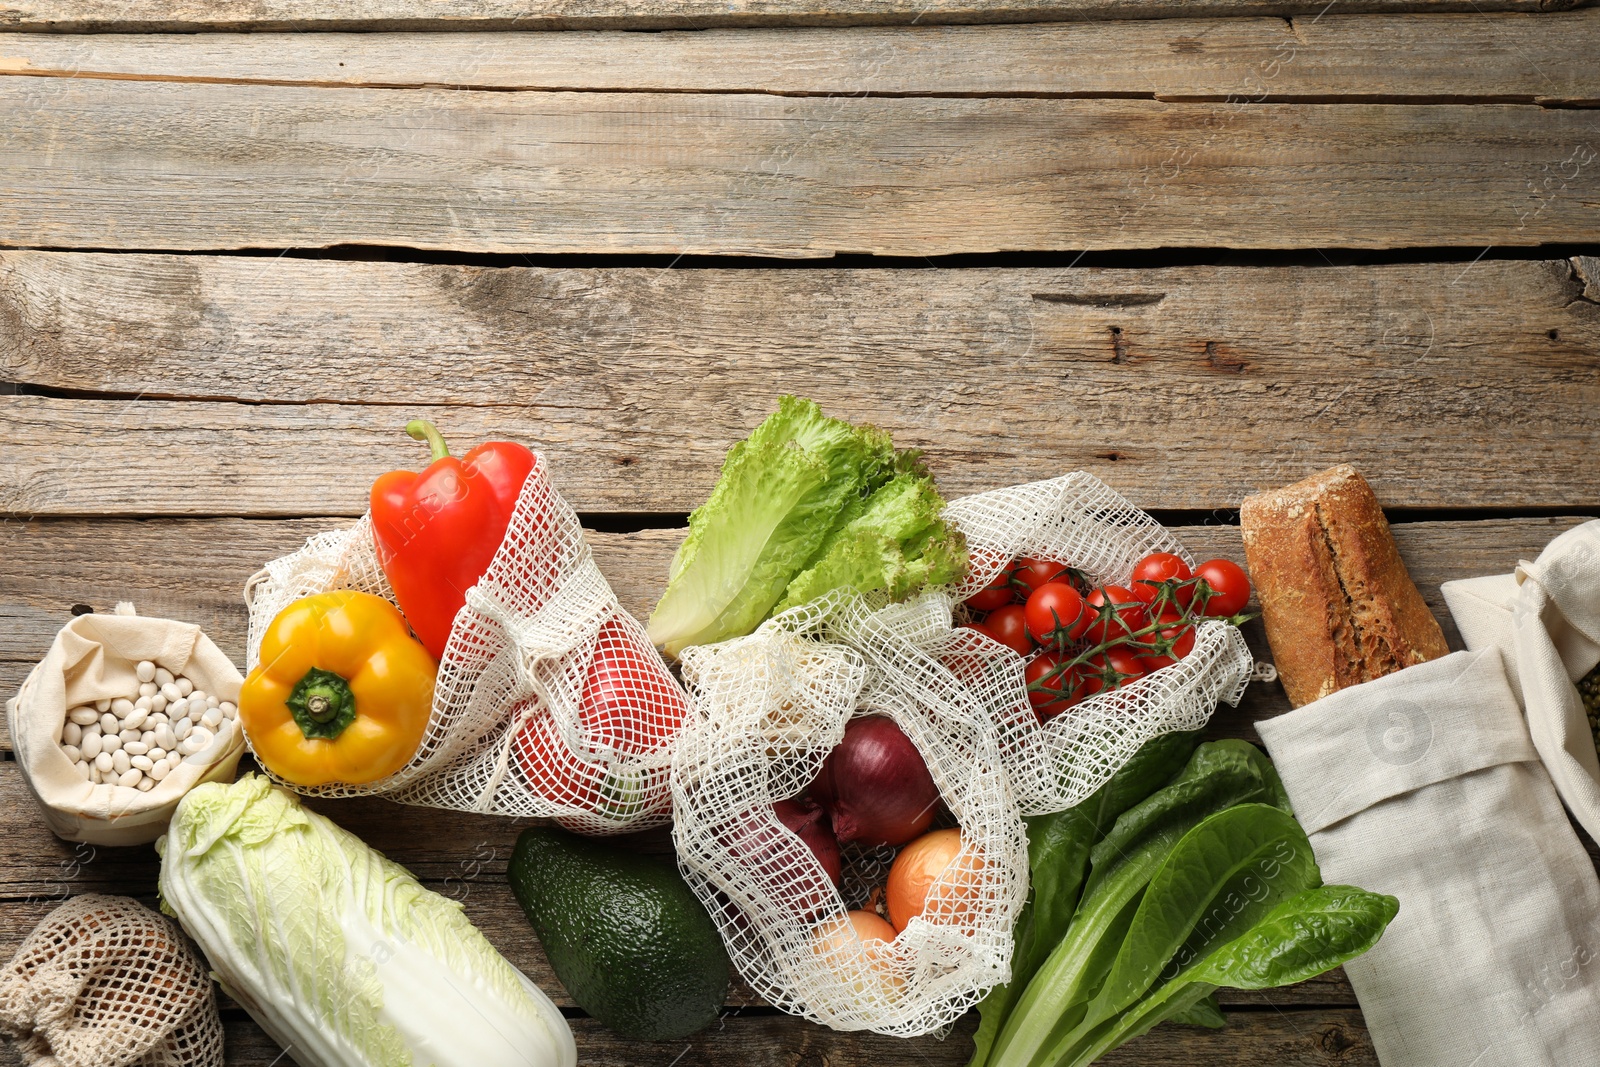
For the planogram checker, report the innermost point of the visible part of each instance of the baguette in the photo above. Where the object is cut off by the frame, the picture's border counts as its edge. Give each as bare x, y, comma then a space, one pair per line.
1338, 605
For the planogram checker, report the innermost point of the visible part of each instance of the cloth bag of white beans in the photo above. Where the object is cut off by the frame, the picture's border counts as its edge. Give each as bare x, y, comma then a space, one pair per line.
550, 700
81, 727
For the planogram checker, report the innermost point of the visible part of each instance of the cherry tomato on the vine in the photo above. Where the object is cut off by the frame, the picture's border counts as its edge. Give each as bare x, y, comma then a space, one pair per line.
1116, 612
1008, 626
1180, 634
1030, 574
1158, 567
1116, 666
1230, 587
1056, 615
1051, 690
997, 594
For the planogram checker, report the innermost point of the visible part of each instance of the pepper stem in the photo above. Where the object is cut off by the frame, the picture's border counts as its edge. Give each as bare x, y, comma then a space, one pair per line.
423, 430
322, 704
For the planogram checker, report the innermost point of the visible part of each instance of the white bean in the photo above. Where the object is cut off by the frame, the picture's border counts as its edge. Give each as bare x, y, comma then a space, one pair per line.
158, 703
181, 730
71, 733
102, 705
85, 771
91, 746
177, 709
84, 716
212, 701
156, 719
165, 737
109, 723
144, 763
136, 748
143, 704
127, 735
171, 691
230, 709
163, 768
148, 737
130, 778
110, 742
135, 719
121, 707
73, 753
148, 689
102, 762
164, 676
197, 712
157, 754
119, 762
185, 687
212, 718
145, 785
145, 671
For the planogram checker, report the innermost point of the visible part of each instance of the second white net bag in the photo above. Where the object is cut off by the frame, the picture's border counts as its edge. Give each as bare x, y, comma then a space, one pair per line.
550, 700
1079, 522
769, 708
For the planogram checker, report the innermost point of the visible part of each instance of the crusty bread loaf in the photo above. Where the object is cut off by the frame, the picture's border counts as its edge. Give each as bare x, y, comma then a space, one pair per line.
1337, 603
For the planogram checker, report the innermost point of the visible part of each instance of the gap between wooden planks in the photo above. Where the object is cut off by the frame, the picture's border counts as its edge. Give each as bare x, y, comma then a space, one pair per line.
260, 386
1501, 57
411, 15
175, 166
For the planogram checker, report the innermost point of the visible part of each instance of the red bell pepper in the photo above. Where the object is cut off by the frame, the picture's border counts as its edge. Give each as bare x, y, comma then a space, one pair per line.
437, 531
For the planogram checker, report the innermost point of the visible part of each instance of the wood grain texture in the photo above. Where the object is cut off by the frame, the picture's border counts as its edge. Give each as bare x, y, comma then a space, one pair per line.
148, 165
411, 15
194, 570
1328, 1038
1185, 387
1508, 57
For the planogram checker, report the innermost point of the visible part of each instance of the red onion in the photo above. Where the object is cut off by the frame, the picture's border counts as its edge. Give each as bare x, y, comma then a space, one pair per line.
876, 786
810, 824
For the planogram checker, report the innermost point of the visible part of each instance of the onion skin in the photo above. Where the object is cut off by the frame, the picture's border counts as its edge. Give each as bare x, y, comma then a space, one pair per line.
810, 823
876, 786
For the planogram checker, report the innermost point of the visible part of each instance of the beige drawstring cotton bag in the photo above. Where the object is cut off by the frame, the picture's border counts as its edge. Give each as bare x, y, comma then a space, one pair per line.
94, 658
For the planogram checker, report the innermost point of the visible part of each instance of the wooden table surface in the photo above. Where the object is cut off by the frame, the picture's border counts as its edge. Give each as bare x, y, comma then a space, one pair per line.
1198, 248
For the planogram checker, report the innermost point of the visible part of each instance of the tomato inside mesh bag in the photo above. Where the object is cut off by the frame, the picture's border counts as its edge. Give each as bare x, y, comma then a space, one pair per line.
769, 708
1078, 521
550, 700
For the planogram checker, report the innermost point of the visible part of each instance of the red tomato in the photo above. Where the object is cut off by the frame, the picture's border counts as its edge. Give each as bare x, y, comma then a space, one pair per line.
1050, 689
1116, 666
630, 704
1116, 613
1008, 626
1230, 587
997, 594
1031, 573
1181, 634
1056, 615
1158, 567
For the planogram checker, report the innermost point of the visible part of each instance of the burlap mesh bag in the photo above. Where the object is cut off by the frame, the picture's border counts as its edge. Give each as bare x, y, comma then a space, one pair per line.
768, 709
550, 702
771, 706
106, 982
1078, 521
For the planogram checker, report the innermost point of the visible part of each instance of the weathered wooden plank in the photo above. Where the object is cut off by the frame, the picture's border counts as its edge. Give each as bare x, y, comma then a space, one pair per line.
412, 15
1186, 387
1323, 1038
194, 570
1515, 56
195, 166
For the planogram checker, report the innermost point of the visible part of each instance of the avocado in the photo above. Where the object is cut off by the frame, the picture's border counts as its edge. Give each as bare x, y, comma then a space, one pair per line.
629, 941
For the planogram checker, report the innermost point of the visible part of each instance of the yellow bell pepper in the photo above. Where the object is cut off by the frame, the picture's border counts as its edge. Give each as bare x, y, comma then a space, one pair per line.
342, 692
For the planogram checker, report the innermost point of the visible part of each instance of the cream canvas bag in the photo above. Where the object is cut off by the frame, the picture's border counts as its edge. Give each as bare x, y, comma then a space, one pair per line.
93, 658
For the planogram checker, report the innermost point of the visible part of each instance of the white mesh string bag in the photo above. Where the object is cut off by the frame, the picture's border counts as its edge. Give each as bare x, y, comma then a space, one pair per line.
550, 701
1078, 521
768, 708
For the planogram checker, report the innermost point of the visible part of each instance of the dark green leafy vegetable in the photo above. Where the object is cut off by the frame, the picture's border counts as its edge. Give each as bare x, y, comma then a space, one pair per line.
1207, 882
